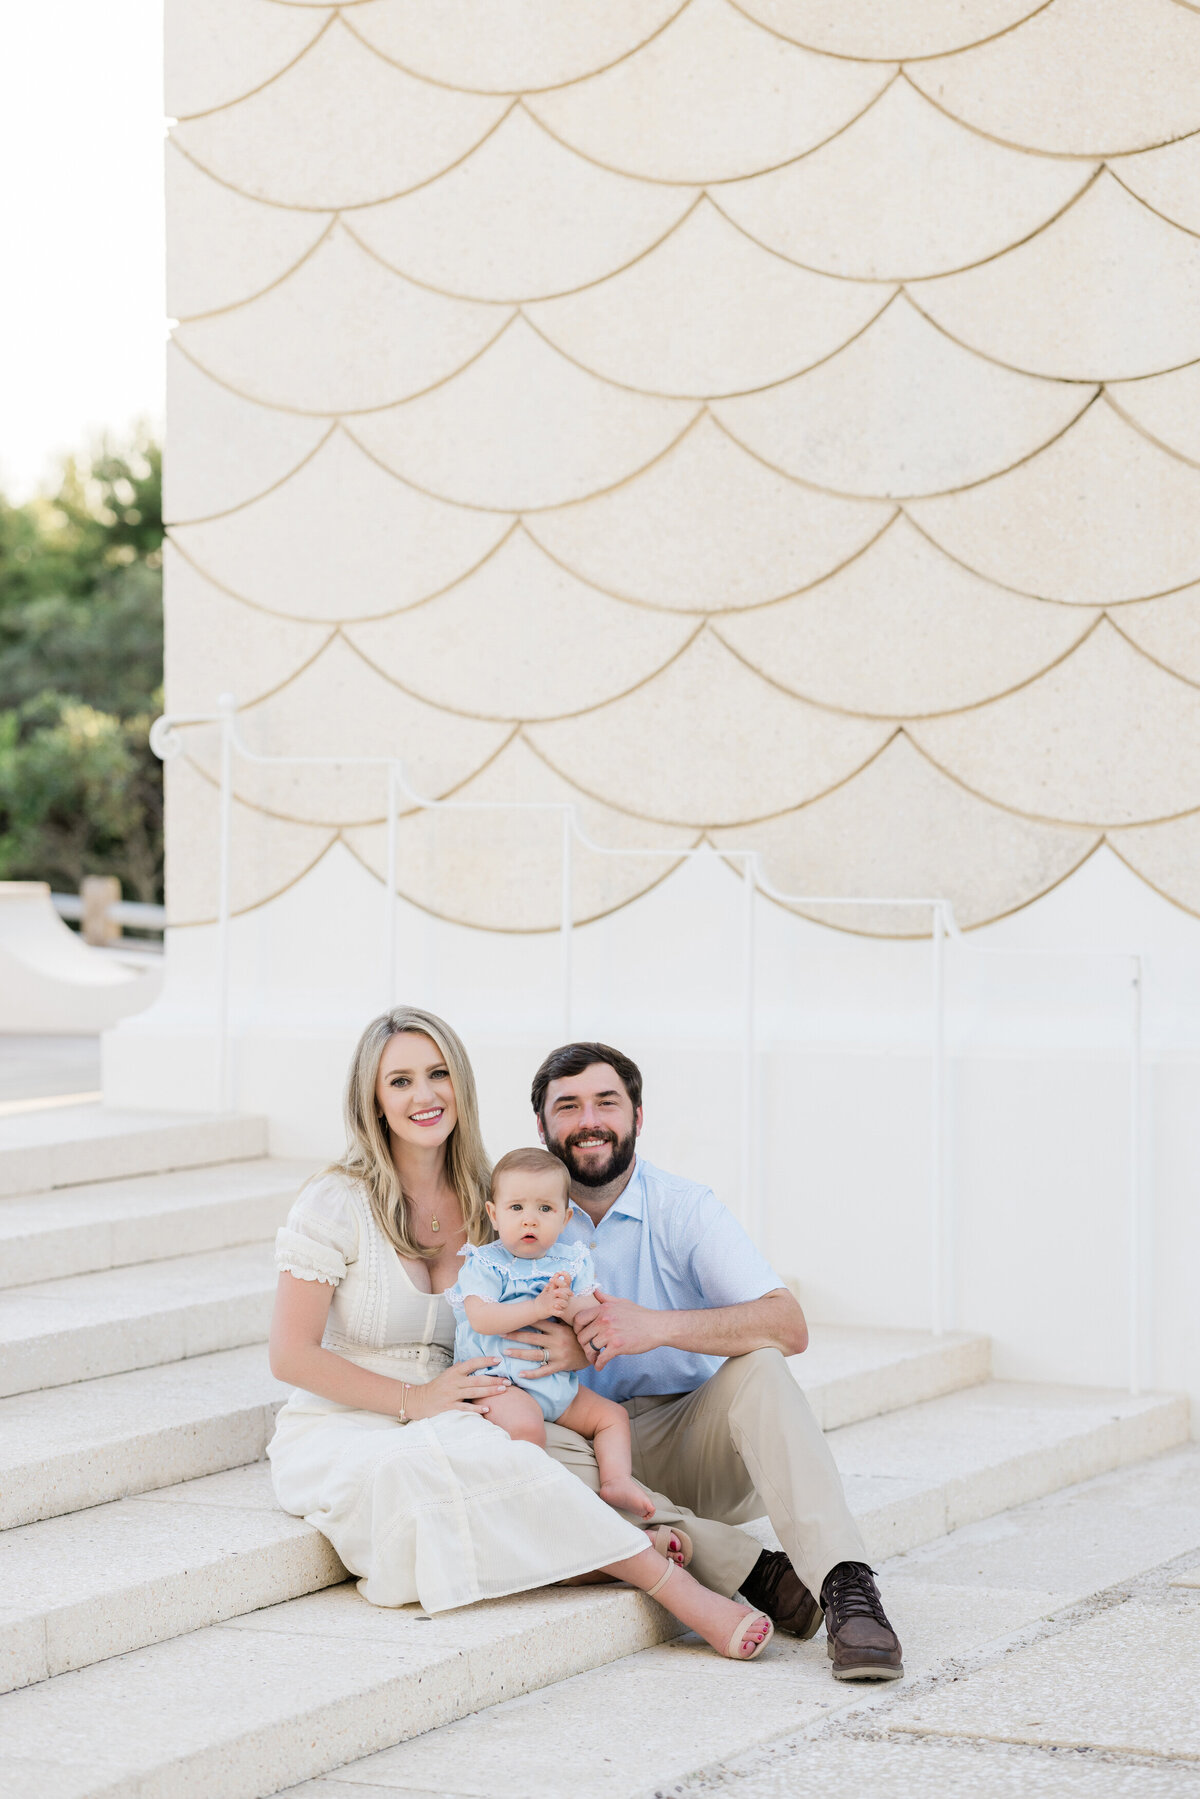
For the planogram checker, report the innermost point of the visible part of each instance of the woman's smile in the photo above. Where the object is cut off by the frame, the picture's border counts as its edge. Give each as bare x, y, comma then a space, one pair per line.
431, 1115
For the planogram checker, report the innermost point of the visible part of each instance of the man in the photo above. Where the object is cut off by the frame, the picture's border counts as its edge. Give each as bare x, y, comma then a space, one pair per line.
691, 1334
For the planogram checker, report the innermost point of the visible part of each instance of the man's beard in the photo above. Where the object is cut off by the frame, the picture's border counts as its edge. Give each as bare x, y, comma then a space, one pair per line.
595, 1174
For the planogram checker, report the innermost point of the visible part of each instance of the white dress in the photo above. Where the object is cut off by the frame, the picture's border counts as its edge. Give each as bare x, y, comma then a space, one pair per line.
445, 1510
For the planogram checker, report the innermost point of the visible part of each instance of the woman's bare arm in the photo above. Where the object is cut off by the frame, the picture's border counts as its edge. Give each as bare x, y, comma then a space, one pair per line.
301, 1309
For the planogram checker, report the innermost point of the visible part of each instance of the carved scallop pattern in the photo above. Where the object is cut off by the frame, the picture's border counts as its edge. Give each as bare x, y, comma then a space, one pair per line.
339, 127
889, 30
681, 410
902, 410
1106, 292
1079, 78
711, 98
707, 313
863, 204
343, 335
508, 46
523, 218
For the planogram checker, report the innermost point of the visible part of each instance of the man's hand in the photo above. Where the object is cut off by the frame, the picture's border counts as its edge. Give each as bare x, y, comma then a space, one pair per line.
585, 1309
619, 1328
565, 1355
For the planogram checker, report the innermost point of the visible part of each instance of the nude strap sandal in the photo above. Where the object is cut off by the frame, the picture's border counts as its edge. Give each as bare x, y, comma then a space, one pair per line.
732, 1649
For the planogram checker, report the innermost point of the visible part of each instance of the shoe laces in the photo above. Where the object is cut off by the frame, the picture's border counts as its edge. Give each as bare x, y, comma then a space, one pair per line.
850, 1592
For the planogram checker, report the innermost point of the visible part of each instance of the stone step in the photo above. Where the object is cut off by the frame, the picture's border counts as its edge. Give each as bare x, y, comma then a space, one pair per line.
970, 1601
850, 1374
294, 1690
98, 1440
88, 1325
131, 1577
914, 1475
243, 1708
119, 1576
146, 1218
80, 1588
60, 1148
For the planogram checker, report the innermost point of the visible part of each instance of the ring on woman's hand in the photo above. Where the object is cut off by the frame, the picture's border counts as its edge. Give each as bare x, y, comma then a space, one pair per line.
545, 1357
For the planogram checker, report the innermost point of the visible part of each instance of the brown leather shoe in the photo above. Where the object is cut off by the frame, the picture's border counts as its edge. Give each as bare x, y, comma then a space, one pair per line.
774, 1587
862, 1644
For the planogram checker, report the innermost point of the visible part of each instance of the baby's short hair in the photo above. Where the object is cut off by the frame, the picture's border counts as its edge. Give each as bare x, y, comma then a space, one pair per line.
531, 1161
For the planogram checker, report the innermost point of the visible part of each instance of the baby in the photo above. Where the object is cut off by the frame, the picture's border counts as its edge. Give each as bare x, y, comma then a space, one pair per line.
520, 1280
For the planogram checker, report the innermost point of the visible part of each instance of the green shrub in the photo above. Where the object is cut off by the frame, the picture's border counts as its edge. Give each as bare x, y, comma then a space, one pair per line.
81, 675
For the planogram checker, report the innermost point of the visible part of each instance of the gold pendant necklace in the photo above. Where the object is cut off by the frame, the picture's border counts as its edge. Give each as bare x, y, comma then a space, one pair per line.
434, 1225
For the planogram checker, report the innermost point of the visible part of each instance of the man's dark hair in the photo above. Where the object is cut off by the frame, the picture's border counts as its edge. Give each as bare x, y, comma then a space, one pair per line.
573, 1058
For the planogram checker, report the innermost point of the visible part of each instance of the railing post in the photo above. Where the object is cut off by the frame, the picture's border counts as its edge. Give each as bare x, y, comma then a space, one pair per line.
227, 707
389, 900
566, 919
937, 1131
1136, 1232
752, 1210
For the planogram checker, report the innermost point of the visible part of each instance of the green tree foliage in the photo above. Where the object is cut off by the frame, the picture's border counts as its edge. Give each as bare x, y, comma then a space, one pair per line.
81, 676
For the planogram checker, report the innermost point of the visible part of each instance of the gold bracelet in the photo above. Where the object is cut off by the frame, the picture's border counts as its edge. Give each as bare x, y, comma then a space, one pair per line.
404, 1417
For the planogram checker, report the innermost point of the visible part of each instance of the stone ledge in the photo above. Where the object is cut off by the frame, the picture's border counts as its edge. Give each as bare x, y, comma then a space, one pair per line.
56, 1333
130, 1575
299, 1689
146, 1218
43, 1150
79, 1446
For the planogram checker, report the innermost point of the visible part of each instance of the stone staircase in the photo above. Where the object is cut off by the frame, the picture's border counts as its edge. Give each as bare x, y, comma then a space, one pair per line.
166, 1631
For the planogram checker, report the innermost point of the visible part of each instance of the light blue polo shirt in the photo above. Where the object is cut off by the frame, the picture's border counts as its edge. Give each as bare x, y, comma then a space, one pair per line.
668, 1244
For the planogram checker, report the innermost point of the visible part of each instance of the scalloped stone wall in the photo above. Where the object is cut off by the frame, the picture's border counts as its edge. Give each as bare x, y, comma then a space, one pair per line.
773, 424
770, 424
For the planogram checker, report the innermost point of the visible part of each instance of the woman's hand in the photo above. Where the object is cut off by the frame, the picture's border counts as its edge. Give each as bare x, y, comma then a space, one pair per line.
459, 1389
552, 1348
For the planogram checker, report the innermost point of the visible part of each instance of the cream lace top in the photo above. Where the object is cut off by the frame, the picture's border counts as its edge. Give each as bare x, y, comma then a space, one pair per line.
378, 1318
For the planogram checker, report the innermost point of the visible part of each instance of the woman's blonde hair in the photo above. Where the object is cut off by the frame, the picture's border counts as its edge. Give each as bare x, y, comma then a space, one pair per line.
368, 1155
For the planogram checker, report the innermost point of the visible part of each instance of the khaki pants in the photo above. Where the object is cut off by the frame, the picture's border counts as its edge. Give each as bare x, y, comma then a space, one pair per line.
743, 1444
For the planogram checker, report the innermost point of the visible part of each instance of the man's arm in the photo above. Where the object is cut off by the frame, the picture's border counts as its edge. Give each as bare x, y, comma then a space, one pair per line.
622, 1328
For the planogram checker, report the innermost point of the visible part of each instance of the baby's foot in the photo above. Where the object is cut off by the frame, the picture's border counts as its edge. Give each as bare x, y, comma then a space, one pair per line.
627, 1496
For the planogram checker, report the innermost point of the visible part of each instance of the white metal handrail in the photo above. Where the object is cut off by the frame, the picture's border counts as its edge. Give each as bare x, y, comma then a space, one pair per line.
166, 743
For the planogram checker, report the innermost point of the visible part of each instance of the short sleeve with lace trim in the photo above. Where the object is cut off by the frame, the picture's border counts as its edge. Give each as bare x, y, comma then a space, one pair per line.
320, 1237
479, 1278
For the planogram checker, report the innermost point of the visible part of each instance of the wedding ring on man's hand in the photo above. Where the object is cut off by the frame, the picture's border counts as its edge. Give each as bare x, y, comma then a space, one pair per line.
598, 1347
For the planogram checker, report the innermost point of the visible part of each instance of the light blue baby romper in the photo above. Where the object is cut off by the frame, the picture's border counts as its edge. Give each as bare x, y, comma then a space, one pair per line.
492, 1272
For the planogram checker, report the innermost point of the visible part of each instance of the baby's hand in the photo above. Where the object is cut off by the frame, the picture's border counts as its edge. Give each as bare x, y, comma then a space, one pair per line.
556, 1295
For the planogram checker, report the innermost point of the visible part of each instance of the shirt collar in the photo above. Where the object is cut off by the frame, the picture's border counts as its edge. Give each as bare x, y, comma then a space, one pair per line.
632, 1202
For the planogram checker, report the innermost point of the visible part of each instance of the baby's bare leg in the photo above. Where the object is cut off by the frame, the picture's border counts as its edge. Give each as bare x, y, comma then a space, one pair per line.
607, 1425
520, 1415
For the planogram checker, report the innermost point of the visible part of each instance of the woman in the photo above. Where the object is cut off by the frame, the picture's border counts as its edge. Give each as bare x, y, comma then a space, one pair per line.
386, 1447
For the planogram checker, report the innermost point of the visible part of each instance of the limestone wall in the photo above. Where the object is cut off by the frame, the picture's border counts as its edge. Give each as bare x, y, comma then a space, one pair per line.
696, 411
